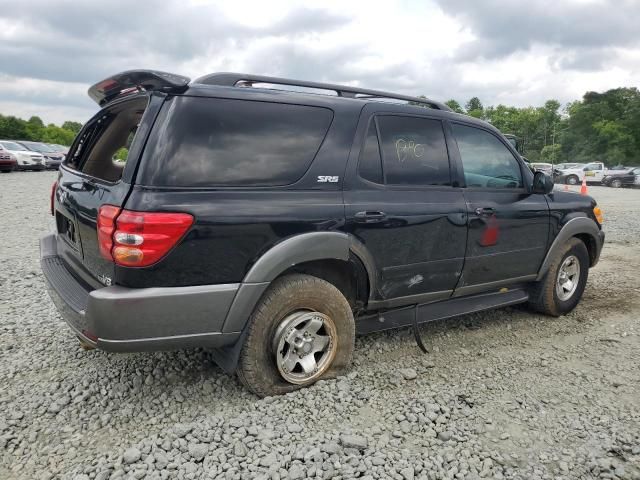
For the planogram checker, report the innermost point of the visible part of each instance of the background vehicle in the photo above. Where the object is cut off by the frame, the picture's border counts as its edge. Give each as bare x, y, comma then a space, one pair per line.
275, 225
25, 158
594, 172
8, 161
565, 166
52, 157
545, 168
629, 178
59, 148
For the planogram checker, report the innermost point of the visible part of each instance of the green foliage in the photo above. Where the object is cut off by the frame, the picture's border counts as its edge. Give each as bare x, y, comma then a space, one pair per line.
601, 127
72, 126
121, 154
604, 127
551, 153
475, 108
454, 105
54, 134
12, 128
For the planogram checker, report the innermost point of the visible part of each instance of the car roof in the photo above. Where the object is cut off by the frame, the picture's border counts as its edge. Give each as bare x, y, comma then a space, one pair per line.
242, 85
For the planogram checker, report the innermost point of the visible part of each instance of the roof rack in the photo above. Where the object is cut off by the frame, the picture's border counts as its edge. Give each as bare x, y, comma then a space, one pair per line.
229, 79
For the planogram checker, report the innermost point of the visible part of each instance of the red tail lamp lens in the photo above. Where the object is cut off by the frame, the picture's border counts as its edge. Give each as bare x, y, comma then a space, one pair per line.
106, 225
140, 239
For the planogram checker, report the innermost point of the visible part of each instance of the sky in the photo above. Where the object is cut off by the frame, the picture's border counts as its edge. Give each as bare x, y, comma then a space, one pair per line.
503, 51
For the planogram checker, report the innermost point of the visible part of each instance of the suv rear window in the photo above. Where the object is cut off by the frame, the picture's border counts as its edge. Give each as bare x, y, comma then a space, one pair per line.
101, 150
221, 142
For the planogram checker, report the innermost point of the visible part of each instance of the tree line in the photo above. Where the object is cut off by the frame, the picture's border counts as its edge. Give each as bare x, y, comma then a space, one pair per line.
601, 127
34, 129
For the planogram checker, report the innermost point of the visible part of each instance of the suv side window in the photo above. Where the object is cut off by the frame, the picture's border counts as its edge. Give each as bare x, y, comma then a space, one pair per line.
414, 151
487, 162
207, 142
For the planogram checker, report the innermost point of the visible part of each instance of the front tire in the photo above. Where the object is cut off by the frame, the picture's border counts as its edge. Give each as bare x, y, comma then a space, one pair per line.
563, 285
302, 330
616, 183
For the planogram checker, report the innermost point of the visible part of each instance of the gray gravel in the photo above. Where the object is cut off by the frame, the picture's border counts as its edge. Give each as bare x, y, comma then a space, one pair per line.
504, 394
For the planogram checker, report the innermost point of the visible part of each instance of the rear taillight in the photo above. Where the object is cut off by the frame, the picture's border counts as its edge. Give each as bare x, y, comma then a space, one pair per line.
139, 239
106, 225
53, 197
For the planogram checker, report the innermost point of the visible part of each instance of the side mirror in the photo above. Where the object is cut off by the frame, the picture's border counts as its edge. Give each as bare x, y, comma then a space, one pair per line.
542, 183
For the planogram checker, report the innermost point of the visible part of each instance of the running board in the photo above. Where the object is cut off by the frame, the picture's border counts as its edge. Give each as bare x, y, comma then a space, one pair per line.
403, 317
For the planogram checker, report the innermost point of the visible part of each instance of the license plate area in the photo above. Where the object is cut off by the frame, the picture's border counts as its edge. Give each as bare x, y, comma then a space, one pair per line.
68, 231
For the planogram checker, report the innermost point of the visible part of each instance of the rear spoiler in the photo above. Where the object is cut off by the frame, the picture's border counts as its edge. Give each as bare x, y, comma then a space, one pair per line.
132, 81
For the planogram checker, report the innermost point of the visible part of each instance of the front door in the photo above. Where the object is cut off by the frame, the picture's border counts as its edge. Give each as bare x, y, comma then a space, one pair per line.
508, 226
400, 203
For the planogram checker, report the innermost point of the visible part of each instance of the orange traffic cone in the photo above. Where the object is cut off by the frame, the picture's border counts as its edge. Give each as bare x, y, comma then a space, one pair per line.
583, 188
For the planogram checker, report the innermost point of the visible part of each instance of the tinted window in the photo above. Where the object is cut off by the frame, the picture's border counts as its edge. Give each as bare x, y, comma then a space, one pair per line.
221, 142
486, 160
370, 167
414, 151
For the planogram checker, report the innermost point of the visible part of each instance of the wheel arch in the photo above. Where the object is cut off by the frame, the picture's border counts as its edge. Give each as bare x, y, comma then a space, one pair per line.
583, 228
333, 256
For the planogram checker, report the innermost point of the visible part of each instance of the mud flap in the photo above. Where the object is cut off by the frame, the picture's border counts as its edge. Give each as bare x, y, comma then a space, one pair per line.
416, 331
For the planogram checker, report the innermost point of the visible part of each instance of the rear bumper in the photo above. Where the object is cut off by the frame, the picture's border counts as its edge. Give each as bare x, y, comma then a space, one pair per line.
138, 319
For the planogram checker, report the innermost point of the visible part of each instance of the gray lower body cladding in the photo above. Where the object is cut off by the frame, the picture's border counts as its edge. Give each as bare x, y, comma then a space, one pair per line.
125, 319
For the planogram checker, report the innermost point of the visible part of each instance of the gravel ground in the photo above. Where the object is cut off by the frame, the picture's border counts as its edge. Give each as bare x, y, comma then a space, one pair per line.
503, 394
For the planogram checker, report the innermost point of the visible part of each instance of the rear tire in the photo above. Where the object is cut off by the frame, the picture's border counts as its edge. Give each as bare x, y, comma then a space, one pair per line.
556, 294
279, 354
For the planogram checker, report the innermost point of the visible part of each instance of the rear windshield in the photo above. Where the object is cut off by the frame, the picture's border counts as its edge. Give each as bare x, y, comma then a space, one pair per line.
102, 148
221, 142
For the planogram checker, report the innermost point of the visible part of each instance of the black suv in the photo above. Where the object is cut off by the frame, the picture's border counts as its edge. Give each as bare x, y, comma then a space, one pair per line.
271, 220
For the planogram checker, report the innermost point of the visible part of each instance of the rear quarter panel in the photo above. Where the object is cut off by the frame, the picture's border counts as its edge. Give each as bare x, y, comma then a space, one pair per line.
234, 226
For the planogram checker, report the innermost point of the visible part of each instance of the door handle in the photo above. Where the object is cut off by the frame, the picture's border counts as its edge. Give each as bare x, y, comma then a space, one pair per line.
370, 217
485, 211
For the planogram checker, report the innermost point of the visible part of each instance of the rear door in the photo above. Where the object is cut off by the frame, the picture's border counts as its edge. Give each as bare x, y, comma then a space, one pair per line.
99, 171
402, 205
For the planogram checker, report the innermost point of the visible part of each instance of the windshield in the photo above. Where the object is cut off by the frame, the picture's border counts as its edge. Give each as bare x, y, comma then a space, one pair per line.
39, 147
12, 146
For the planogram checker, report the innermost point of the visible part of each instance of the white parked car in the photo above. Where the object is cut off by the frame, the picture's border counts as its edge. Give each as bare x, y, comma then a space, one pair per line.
27, 160
593, 172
